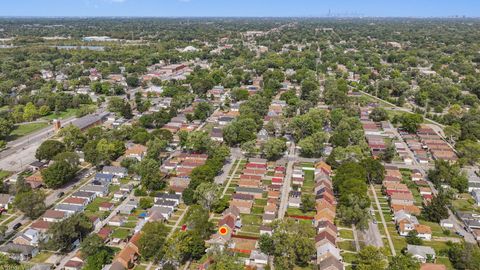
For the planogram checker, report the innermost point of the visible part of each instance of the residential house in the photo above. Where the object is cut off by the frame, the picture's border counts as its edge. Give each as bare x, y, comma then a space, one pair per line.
36, 165
421, 253
264, 229
327, 249
100, 191
257, 259
256, 192
136, 151
166, 212
268, 218
5, 200
119, 172
30, 237
19, 252
35, 180
105, 206
294, 199
402, 198
245, 207
168, 197
330, 263
117, 221
76, 201
104, 178
54, 215
90, 196
70, 209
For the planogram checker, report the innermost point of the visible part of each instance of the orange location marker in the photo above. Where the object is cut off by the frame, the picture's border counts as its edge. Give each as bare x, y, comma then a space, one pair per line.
223, 230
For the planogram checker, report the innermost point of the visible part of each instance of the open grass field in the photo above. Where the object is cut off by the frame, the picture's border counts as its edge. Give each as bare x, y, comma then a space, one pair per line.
23, 130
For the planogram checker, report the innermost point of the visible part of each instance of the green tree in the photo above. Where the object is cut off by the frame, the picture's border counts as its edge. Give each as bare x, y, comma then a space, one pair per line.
404, 262
273, 149
312, 146
63, 234
149, 171
145, 202
73, 138
446, 173
413, 239
206, 194
30, 112
31, 203
240, 131
437, 209
371, 257
308, 203
464, 255
202, 111
6, 127
49, 149
92, 245
411, 122
133, 81
293, 244
250, 148
58, 174
152, 240
469, 151
379, 114
239, 94
375, 171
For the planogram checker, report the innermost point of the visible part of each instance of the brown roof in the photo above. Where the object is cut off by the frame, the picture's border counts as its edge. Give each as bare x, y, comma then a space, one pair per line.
54, 214
411, 209
401, 196
330, 263
40, 225
137, 149
326, 235
423, 229
71, 200
242, 204
126, 255
106, 205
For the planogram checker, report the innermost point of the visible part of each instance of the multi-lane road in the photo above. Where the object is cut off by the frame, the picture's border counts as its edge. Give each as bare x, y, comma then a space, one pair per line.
21, 152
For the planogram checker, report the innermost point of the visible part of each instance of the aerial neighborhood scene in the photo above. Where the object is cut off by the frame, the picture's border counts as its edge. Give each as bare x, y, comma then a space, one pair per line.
230, 135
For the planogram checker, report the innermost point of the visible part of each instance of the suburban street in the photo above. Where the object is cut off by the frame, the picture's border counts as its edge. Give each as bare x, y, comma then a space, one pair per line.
287, 183
423, 168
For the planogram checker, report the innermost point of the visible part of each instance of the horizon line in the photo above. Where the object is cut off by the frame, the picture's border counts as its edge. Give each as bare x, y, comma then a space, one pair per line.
241, 17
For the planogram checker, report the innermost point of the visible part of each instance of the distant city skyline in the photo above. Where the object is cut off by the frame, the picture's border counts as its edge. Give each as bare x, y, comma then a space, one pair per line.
239, 8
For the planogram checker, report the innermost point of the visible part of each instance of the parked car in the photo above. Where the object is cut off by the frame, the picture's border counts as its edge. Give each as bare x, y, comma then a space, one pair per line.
16, 226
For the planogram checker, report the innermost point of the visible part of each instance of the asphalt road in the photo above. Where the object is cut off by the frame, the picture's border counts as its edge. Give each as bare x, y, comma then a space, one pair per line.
458, 225
21, 152
286, 184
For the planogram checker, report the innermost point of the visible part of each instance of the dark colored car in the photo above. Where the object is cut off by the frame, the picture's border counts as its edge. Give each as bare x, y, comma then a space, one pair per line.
60, 194
16, 226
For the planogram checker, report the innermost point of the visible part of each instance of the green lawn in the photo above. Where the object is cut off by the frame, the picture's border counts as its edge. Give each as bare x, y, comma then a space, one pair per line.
41, 257
23, 130
347, 245
93, 206
4, 174
346, 234
251, 219
61, 115
121, 233
297, 212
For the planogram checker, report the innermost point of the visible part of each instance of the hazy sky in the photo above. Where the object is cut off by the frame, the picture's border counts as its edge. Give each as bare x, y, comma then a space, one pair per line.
227, 8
